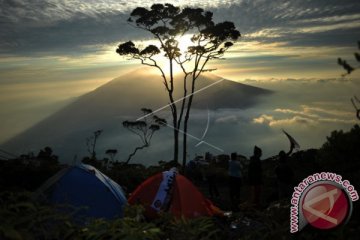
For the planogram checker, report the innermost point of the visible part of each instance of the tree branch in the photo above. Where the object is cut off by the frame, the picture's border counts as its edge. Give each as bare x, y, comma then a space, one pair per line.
134, 152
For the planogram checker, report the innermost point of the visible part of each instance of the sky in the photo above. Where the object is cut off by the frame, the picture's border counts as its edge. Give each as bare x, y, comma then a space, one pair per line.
52, 51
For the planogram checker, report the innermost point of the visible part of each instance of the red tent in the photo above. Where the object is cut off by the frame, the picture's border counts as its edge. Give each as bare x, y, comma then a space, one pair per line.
180, 197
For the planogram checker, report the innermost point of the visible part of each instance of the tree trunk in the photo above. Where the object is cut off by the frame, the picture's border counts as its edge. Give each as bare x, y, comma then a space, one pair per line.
184, 147
176, 145
174, 115
186, 120
93, 154
176, 132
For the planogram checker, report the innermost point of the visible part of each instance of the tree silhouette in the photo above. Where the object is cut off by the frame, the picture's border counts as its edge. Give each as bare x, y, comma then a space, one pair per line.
341, 152
111, 153
91, 143
357, 109
166, 23
349, 69
144, 129
46, 157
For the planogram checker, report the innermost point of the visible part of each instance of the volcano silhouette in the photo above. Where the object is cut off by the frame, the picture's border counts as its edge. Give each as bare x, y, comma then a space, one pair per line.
121, 99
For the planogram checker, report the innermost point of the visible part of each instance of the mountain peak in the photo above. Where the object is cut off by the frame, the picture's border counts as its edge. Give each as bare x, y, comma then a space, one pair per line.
121, 99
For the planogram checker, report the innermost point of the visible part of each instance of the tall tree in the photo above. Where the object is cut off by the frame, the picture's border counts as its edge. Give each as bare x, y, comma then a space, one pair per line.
167, 23
349, 69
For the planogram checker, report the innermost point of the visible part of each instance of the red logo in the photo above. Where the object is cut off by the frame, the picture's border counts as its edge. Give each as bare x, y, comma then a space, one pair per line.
325, 206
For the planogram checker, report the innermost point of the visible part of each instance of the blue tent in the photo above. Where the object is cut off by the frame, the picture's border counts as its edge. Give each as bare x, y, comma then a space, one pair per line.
86, 188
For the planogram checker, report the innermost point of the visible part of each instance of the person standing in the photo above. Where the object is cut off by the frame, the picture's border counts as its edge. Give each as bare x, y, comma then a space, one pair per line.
255, 176
234, 181
211, 176
284, 175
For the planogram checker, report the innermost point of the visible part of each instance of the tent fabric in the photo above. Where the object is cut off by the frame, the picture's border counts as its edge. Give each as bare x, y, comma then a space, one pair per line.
86, 188
186, 200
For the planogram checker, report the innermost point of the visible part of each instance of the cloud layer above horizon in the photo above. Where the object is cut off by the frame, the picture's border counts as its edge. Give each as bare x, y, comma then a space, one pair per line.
82, 27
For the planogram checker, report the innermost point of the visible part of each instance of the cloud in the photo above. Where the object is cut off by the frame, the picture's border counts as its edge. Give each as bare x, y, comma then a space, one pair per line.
335, 120
315, 112
227, 119
264, 119
306, 116
62, 27
272, 122
296, 112
297, 120
297, 23
332, 112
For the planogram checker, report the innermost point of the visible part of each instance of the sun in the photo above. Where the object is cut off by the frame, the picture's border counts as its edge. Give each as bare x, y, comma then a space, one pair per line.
184, 42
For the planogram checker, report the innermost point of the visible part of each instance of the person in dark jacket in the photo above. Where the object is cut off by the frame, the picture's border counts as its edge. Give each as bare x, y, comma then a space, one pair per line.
255, 176
235, 182
211, 176
284, 175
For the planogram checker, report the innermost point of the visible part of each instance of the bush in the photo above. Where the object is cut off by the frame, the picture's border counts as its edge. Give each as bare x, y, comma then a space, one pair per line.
23, 218
341, 154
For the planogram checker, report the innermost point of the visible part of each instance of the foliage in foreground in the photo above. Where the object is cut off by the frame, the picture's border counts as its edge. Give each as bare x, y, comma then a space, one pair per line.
23, 218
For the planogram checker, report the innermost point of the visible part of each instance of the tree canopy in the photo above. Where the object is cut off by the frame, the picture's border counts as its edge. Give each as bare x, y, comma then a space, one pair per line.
166, 23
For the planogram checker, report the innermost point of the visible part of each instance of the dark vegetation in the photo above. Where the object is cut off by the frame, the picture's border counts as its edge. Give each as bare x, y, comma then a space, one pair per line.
24, 218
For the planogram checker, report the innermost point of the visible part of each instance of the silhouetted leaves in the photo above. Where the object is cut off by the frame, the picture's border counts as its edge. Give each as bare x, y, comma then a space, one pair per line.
150, 51
349, 69
357, 109
345, 65
146, 111
159, 121
221, 32
197, 50
154, 127
134, 124
127, 48
357, 56
111, 153
166, 21
341, 152
228, 44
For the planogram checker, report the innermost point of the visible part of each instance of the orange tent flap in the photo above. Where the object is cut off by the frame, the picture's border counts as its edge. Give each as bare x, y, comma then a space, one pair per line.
145, 193
189, 202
